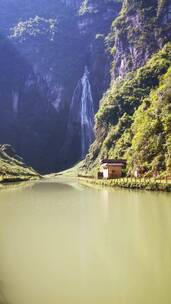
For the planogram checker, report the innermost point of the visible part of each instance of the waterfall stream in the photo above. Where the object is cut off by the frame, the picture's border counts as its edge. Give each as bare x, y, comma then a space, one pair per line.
81, 118
87, 114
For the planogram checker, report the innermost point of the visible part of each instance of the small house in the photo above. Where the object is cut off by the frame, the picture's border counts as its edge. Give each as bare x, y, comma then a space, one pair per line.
112, 168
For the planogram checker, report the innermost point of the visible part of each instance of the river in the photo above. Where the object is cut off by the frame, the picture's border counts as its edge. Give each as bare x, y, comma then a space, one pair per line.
65, 243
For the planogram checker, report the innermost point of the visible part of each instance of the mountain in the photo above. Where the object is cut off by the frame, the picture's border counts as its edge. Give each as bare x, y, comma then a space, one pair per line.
23, 116
57, 41
12, 167
133, 121
63, 61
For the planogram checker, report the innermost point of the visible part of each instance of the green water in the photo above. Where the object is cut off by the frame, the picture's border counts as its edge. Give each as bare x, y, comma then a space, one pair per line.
63, 243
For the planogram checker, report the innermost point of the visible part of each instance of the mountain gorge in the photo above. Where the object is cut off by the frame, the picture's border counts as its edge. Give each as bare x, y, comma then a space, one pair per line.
63, 61
133, 121
57, 41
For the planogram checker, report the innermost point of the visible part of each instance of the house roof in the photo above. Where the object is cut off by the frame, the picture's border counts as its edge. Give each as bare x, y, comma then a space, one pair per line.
113, 161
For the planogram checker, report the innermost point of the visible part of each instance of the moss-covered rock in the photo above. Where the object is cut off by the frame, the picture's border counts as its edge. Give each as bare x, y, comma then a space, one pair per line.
135, 117
142, 28
12, 167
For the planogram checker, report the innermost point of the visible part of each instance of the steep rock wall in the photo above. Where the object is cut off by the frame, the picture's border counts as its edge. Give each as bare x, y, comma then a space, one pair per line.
141, 29
56, 40
137, 64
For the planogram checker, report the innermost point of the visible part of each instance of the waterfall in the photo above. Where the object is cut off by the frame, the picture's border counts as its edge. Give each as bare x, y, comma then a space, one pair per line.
81, 118
87, 114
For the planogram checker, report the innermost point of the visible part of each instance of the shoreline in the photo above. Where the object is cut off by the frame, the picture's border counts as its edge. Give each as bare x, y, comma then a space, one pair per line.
125, 183
128, 183
17, 179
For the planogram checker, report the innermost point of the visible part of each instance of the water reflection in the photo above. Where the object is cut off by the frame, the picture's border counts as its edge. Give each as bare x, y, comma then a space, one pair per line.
3, 299
61, 242
53, 186
19, 186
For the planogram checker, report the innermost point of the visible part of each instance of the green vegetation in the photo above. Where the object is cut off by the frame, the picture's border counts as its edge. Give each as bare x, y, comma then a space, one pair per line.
126, 95
71, 172
135, 117
131, 183
138, 31
151, 130
12, 167
35, 27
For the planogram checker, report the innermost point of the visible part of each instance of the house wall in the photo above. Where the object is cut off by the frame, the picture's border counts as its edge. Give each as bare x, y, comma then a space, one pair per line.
115, 171
112, 172
105, 173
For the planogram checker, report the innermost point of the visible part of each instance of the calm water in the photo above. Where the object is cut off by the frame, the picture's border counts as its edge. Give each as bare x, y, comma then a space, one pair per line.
63, 243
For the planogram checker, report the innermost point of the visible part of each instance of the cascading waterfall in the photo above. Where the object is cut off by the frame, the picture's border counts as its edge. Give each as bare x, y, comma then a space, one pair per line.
87, 114
81, 118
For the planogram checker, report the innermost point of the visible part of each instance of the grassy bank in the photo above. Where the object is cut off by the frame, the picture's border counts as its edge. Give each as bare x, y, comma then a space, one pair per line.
131, 183
12, 167
17, 178
71, 172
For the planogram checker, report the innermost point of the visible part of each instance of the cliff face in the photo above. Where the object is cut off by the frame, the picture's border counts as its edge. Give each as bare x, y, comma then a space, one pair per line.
133, 119
57, 40
26, 119
142, 28
62, 61
12, 167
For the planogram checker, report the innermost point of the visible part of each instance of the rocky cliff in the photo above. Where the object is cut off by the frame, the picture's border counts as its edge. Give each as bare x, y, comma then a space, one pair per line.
12, 167
56, 40
141, 29
63, 61
133, 121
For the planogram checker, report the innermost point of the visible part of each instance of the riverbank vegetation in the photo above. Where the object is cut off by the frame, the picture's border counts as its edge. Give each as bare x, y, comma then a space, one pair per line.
150, 184
134, 120
12, 167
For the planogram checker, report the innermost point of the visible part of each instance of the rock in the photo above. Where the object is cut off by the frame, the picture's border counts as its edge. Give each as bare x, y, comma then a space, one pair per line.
12, 167
52, 43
